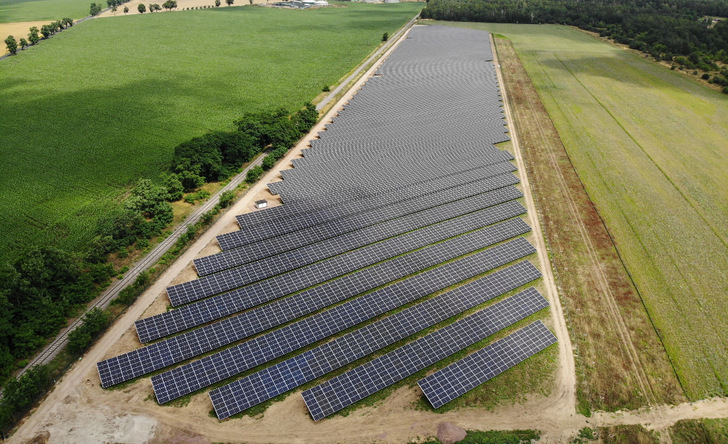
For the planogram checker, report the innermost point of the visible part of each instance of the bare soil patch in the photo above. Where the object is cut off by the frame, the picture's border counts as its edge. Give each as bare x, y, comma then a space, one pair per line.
19, 30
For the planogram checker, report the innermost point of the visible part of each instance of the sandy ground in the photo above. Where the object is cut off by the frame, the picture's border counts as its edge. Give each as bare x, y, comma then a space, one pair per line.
18, 30
78, 410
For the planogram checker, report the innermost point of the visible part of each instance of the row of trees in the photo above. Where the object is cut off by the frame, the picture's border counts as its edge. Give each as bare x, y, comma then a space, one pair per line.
34, 36
664, 30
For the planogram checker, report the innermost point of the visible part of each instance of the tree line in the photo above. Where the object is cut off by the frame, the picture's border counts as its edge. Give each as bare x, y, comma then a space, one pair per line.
682, 31
34, 36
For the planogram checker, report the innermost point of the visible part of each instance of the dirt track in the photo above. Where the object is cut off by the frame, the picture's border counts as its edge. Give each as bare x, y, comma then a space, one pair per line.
78, 410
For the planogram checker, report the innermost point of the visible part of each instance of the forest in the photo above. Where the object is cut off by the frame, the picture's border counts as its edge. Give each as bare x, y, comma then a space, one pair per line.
691, 33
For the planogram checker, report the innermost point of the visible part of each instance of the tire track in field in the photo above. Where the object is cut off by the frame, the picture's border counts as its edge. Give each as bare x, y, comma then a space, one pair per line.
625, 339
678, 269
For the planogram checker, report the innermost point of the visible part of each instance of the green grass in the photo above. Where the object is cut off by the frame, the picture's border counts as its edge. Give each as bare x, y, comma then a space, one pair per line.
36, 10
700, 431
650, 147
101, 104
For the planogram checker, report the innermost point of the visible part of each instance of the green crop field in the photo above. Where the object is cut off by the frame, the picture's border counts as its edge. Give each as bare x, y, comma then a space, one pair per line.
89, 111
35, 10
651, 147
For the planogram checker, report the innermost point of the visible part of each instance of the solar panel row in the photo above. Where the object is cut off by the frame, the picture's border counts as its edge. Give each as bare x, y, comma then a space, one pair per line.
380, 181
360, 382
464, 375
291, 373
175, 321
230, 362
282, 223
331, 229
180, 348
237, 277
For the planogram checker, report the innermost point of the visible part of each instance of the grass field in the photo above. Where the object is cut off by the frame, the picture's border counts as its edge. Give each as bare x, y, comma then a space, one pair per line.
650, 148
33, 10
96, 107
601, 304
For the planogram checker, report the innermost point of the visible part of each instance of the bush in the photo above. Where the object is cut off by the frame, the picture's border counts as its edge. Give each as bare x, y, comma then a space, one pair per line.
226, 198
254, 174
19, 394
94, 322
269, 162
326, 88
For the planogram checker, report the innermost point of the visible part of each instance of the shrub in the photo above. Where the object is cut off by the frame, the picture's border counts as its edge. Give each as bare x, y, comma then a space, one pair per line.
94, 322
226, 198
254, 174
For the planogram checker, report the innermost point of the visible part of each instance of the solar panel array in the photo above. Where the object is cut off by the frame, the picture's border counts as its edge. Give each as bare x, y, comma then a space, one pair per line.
345, 225
291, 373
403, 196
175, 321
286, 222
462, 376
232, 361
289, 213
239, 276
377, 374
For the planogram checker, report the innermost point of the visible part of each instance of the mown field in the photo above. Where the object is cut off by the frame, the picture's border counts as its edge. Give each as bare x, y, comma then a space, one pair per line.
94, 108
650, 147
32, 10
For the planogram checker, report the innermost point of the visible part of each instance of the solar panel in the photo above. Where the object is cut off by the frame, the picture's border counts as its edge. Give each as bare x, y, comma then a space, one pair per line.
230, 362
283, 223
179, 348
464, 375
332, 229
379, 181
377, 374
277, 379
364, 279
259, 270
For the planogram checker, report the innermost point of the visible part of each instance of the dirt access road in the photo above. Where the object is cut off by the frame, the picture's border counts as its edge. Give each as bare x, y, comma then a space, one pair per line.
78, 410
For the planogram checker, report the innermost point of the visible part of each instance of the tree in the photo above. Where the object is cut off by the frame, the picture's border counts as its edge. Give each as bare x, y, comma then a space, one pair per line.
169, 5
67, 21
141, 8
23, 43
126, 9
217, 3
229, 2
385, 36
11, 44
33, 36
95, 9
254, 174
46, 31
113, 8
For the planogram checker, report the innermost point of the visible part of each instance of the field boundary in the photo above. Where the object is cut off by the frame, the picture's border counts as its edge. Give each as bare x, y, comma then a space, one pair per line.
602, 275
609, 233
